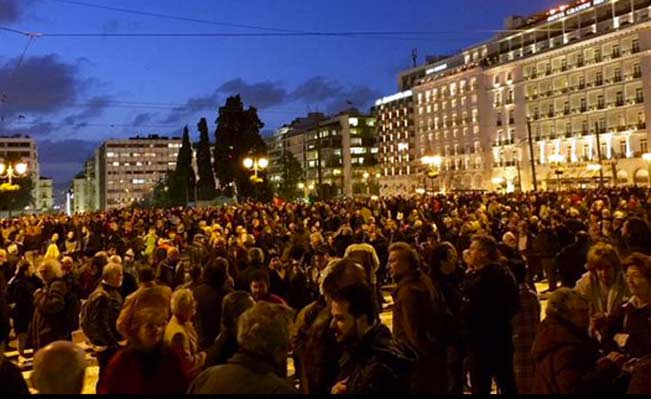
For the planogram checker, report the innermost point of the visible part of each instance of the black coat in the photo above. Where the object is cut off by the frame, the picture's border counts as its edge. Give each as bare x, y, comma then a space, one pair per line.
21, 292
209, 312
490, 300
378, 364
50, 321
571, 261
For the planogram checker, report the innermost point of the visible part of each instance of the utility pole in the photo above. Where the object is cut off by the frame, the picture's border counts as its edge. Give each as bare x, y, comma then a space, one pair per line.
601, 169
533, 160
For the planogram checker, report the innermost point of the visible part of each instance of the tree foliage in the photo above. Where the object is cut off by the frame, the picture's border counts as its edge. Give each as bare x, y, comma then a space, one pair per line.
181, 183
292, 175
206, 183
237, 136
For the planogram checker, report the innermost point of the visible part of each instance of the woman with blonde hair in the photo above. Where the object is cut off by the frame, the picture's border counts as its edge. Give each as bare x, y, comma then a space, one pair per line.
145, 365
180, 334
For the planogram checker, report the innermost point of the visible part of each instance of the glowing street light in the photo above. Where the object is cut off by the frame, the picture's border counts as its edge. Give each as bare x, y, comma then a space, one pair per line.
10, 172
256, 164
433, 162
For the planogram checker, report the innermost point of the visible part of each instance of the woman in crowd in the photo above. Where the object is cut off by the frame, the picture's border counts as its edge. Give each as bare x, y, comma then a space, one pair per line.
145, 366
566, 358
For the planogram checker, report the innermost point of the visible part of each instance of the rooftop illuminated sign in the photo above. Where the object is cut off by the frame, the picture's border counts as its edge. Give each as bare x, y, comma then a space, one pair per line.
394, 97
567, 10
437, 68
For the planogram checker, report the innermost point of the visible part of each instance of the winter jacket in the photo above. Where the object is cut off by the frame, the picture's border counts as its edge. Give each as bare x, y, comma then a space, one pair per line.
102, 314
209, 313
419, 320
131, 371
20, 292
50, 321
567, 361
525, 326
634, 323
244, 373
182, 337
601, 302
490, 300
224, 346
377, 364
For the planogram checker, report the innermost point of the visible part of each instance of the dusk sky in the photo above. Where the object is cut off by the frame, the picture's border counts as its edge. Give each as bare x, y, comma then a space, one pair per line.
70, 93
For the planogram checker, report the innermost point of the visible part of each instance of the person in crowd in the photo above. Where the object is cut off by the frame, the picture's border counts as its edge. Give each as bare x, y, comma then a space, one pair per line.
12, 381
566, 358
490, 301
225, 345
572, 259
636, 236
100, 313
209, 295
260, 288
364, 254
628, 327
50, 320
145, 366
374, 361
59, 369
525, 327
317, 351
20, 295
91, 273
603, 285
167, 268
263, 339
420, 319
181, 335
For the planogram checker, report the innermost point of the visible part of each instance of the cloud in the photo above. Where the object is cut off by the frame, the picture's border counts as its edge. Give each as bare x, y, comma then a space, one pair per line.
12, 10
361, 98
141, 119
316, 89
40, 84
193, 106
111, 26
94, 107
63, 159
260, 95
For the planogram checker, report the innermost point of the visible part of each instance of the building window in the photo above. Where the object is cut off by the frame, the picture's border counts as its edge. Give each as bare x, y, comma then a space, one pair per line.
643, 146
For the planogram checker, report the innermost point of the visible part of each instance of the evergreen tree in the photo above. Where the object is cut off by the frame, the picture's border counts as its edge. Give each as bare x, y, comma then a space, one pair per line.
182, 182
291, 174
206, 183
237, 136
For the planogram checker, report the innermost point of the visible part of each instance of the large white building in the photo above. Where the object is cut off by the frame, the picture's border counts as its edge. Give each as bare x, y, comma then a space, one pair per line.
577, 75
126, 170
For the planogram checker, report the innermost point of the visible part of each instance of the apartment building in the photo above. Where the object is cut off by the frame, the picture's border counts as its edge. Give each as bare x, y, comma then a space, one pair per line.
574, 77
127, 170
396, 142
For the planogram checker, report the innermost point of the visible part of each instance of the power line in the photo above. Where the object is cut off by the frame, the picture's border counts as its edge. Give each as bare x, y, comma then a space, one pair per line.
173, 17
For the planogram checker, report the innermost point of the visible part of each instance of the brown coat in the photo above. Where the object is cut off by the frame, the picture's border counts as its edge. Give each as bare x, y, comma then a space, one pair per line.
419, 308
567, 361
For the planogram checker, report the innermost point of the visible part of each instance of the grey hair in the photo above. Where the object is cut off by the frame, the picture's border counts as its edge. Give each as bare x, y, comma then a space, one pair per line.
562, 301
111, 269
264, 329
182, 299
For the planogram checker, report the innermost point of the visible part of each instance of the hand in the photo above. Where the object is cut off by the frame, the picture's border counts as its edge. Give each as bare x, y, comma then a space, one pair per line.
340, 387
617, 358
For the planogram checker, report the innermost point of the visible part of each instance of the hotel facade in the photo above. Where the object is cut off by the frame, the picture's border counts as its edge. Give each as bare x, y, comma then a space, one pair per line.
568, 89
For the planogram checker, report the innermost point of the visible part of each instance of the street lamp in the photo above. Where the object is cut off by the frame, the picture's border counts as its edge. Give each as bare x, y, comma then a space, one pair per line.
646, 157
10, 172
433, 162
557, 160
256, 164
499, 182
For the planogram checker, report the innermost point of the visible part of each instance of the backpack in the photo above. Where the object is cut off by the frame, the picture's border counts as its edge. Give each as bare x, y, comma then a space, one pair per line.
87, 317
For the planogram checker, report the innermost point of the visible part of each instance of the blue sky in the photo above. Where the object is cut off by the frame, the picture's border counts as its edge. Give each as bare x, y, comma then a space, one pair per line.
70, 93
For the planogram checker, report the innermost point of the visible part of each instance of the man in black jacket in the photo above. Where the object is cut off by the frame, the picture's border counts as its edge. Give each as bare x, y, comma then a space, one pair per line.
490, 300
374, 361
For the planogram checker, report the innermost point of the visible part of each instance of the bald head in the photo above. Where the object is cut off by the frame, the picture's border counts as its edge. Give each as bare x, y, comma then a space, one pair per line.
59, 368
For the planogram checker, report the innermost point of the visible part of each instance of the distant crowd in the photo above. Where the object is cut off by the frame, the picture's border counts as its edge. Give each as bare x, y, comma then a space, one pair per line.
287, 297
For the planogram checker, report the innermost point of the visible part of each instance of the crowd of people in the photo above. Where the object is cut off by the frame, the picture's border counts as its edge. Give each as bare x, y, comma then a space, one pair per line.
223, 299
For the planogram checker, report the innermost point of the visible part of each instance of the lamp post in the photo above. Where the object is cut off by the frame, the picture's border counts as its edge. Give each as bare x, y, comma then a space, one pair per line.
10, 172
499, 182
647, 159
256, 164
557, 161
433, 162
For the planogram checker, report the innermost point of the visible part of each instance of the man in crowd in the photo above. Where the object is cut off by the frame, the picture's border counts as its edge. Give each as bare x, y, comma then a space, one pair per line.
490, 301
59, 369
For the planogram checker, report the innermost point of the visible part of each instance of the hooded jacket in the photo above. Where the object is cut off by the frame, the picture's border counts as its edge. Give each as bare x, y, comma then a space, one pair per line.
567, 361
377, 364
